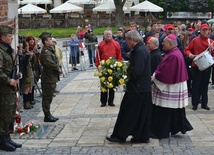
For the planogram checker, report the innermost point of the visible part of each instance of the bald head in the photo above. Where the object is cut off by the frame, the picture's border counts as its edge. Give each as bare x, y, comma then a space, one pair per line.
152, 43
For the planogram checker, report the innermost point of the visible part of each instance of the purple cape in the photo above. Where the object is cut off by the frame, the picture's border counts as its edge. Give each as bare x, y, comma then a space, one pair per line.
172, 68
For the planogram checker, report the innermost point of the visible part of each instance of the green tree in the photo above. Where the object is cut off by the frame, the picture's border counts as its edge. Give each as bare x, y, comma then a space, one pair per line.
185, 5
119, 14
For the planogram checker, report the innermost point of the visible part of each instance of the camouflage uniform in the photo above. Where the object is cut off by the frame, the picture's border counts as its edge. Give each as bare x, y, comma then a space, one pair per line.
49, 76
7, 92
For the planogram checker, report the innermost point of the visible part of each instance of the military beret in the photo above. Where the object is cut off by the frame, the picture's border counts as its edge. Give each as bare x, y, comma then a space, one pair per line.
5, 30
45, 35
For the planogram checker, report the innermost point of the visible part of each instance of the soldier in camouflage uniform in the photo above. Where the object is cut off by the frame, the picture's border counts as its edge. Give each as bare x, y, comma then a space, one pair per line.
49, 75
7, 90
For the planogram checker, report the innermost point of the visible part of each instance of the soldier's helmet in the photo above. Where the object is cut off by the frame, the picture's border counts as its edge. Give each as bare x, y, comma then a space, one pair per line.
5, 30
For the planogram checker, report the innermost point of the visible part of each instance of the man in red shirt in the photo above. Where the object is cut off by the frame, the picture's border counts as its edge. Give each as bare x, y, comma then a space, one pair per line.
106, 49
200, 79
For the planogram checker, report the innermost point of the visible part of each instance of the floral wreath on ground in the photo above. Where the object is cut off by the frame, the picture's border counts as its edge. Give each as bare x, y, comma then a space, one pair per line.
19, 128
112, 73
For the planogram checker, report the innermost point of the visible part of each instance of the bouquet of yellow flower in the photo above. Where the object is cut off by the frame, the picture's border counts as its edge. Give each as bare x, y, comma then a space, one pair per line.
112, 73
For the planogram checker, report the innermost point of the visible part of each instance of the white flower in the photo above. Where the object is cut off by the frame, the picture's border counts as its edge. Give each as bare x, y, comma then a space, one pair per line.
111, 66
100, 67
102, 62
124, 76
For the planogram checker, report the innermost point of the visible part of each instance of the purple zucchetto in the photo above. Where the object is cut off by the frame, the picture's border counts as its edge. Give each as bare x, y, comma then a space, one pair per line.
172, 37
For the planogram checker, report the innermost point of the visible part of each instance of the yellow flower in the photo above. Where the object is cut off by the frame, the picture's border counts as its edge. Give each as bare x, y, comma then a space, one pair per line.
96, 73
108, 61
119, 64
102, 79
110, 85
121, 81
109, 71
100, 74
103, 90
110, 78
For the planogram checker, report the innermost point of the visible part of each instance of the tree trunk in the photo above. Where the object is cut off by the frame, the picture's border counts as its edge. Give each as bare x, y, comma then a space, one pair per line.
119, 13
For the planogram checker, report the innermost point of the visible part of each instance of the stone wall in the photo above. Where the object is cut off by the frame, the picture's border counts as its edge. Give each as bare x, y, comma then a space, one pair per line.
9, 16
9, 12
3, 12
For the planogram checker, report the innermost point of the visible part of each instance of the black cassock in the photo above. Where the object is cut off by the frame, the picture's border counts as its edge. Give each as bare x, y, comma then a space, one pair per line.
134, 117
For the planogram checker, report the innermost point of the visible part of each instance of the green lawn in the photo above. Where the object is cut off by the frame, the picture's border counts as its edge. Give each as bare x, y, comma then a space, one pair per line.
60, 32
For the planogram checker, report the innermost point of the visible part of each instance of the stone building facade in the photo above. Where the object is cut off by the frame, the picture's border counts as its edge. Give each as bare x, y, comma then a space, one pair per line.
9, 16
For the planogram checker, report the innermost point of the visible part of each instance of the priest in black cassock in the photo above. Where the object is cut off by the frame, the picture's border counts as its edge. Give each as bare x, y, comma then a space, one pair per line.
134, 117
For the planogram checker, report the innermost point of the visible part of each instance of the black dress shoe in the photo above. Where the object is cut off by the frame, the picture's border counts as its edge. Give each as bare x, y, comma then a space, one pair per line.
154, 137
114, 140
195, 107
7, 147
16, 145
205, 107
103, 105
139, 141
50, 118
111, 104
56, 91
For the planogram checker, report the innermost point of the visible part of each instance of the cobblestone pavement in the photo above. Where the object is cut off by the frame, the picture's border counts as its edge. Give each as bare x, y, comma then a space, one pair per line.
83, 125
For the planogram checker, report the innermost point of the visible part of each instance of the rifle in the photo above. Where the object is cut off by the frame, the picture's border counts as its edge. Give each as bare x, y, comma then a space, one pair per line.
15, 71
15, 74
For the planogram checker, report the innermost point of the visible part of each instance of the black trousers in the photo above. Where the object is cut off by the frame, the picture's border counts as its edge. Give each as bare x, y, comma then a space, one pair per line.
109, 95
91, 56
188, 62
212, 74
200, 82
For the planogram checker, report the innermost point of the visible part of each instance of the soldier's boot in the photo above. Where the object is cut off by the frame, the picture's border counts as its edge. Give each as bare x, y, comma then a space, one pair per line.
16, 145
49, 117
26, 102
32, 101
5, 145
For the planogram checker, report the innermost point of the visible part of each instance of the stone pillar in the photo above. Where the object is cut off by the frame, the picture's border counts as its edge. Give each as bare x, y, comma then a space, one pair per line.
9, 16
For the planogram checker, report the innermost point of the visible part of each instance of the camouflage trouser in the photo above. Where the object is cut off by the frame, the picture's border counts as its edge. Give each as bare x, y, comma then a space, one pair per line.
47, 95
7, 113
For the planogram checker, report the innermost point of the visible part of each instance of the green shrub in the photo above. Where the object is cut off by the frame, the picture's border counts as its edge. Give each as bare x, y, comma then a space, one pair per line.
61, 32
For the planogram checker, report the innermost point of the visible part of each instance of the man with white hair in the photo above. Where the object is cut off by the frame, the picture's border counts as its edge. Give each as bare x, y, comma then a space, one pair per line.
169, 93
134, 117
106, 49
